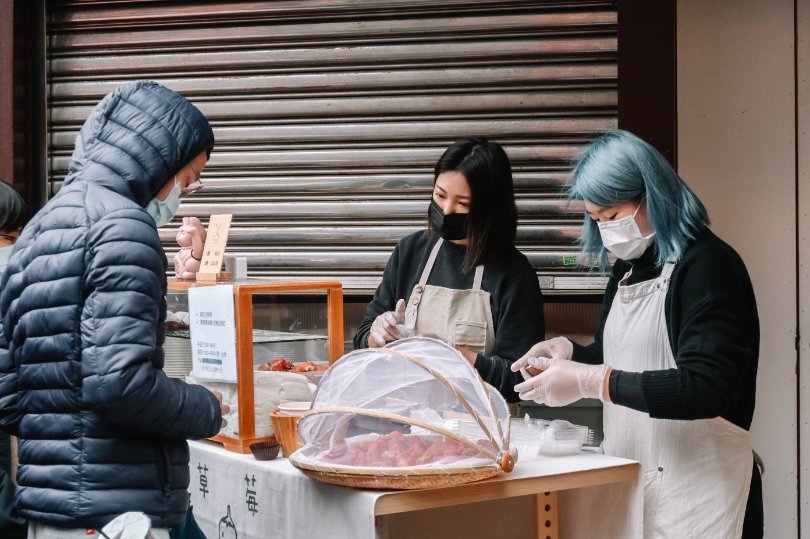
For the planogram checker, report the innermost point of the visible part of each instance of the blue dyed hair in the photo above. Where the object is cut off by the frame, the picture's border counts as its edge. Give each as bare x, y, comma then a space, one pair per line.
620, 167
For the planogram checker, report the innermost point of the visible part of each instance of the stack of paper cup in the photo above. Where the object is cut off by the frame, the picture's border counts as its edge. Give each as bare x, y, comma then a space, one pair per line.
285, 424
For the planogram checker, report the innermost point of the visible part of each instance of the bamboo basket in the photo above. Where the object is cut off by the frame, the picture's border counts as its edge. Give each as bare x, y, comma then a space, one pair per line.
485, 458
394, 479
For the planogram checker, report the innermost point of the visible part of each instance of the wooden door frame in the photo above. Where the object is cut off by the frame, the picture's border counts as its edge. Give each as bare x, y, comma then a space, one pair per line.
647, 72
22, 98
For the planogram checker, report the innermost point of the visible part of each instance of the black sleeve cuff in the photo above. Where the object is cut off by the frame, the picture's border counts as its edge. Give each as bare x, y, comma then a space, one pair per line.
495, 371
590, 354
625, 389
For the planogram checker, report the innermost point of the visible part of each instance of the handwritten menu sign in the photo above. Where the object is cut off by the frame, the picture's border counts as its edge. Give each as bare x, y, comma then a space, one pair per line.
213, 332
215, 241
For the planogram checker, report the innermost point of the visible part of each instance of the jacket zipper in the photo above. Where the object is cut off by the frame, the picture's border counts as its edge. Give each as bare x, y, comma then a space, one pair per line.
163, 468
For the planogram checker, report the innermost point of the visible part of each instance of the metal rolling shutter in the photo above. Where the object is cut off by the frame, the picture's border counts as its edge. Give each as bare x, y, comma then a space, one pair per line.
329, 115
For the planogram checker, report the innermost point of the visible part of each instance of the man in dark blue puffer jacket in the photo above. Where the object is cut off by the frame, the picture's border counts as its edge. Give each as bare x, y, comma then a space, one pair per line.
102, 429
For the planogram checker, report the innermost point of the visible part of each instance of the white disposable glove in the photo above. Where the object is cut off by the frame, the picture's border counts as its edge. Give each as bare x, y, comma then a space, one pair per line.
556, 348
562, 382
384, 328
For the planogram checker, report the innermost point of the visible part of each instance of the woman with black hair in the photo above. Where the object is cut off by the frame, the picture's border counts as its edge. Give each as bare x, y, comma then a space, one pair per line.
462, 280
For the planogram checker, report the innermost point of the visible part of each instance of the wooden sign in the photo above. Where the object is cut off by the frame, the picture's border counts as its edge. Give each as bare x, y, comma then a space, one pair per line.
214, 249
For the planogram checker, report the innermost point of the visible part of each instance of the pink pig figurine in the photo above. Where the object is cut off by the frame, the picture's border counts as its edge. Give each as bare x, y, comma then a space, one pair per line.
191, 239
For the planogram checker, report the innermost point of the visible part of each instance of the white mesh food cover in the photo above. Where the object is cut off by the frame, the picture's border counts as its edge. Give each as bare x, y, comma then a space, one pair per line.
415, 405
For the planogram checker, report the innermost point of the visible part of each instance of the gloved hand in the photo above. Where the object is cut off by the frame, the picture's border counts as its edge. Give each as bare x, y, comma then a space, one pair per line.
556, 348
384, 328
562, 382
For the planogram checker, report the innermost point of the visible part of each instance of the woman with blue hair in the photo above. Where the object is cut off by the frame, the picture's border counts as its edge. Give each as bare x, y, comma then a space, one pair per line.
675, 357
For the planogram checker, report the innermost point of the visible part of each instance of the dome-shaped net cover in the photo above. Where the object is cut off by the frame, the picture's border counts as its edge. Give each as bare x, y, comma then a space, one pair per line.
415, 405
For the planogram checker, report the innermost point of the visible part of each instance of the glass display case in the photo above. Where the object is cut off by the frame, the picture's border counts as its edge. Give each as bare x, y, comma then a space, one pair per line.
268, 345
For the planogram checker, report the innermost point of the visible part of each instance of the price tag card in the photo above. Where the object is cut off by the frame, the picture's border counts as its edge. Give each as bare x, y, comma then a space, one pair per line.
215, 242
213, 332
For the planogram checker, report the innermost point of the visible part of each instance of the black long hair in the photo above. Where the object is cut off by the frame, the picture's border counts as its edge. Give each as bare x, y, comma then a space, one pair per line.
13, 210
492, 222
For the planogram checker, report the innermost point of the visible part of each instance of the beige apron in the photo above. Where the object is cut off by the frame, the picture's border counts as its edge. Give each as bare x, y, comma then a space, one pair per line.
696, 474
457, 317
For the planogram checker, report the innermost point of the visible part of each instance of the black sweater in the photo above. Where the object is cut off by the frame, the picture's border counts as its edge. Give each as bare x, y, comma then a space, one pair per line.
515, 298
713, 327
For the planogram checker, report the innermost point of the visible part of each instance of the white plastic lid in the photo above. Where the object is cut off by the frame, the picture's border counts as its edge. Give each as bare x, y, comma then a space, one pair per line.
295, 407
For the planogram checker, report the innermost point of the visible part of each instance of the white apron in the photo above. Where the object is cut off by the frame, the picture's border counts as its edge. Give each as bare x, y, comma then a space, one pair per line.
696, 474
457, 317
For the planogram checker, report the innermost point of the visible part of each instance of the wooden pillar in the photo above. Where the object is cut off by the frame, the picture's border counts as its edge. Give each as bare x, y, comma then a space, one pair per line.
22, 97
647, 72
546, 511
6, 90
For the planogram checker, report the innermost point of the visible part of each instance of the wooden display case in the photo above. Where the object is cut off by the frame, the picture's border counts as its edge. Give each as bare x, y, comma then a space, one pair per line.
308, 307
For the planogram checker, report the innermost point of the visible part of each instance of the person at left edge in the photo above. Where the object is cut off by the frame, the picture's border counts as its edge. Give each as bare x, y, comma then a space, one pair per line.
102, 429
14, 215
464, 281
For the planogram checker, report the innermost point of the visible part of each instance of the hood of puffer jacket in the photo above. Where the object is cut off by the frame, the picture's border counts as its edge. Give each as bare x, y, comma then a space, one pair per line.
137, 138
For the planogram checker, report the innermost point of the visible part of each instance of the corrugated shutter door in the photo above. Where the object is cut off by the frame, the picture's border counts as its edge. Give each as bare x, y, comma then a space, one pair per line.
329, 115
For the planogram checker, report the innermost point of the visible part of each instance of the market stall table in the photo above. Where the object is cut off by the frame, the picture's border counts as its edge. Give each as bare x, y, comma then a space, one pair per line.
235, 495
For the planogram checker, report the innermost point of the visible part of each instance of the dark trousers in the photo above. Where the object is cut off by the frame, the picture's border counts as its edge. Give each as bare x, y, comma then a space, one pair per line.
754, 525
11, 525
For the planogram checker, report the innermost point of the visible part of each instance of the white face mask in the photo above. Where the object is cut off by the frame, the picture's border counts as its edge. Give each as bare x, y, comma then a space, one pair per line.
5, 253
162, 211
623, 238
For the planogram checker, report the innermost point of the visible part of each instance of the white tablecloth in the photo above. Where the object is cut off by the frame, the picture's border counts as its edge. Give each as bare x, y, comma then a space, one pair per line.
235, 495
272, 499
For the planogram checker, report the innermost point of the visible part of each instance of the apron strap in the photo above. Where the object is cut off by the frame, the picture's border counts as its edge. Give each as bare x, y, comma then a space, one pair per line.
479, 275
429, 265
666, 272
416, 295
479, 269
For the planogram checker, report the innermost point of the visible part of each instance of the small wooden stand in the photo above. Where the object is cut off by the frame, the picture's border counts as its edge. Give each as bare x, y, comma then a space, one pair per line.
221, 277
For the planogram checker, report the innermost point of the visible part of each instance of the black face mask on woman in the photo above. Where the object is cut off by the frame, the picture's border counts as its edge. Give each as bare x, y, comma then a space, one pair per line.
450, 227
